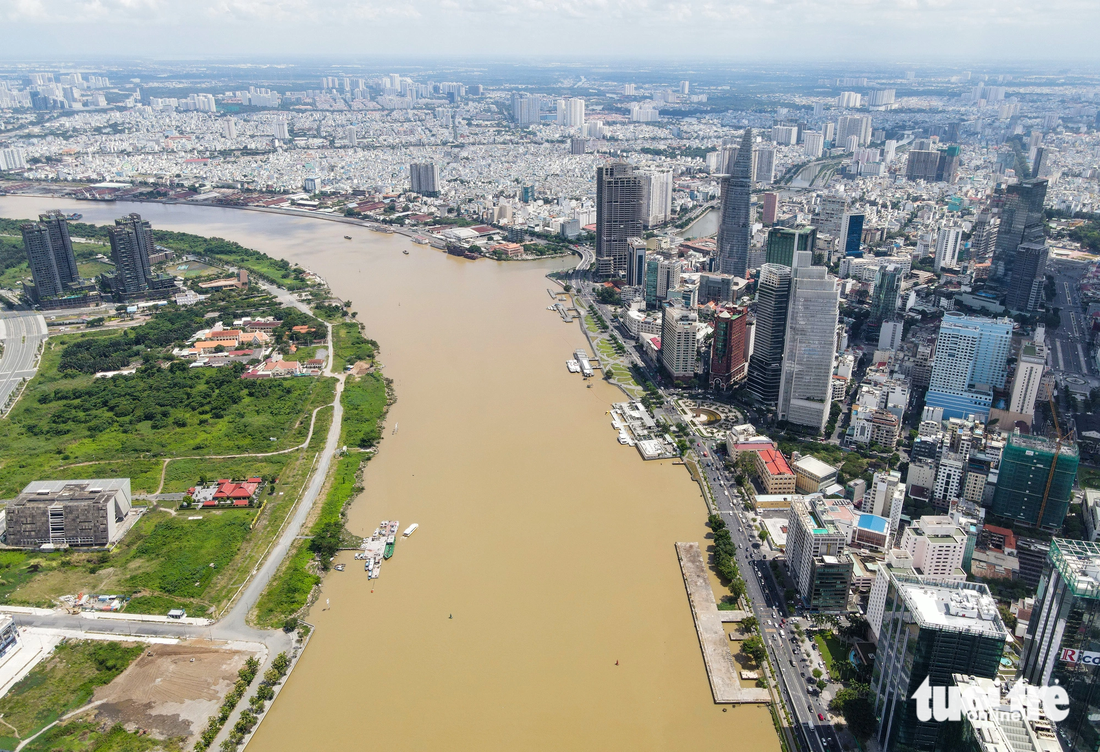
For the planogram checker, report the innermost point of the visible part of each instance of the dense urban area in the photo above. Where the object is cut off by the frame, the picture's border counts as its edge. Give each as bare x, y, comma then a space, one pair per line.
860, 308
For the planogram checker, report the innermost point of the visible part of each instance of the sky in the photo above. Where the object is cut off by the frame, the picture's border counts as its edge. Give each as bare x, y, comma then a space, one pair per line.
746, 30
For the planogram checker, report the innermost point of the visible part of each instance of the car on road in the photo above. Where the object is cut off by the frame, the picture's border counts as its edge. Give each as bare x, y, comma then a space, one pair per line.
820, 717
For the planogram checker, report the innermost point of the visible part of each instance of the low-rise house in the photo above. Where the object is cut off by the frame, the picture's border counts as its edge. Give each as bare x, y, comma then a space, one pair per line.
226, 493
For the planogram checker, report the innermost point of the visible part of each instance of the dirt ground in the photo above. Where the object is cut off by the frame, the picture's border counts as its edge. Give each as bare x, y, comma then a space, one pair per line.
170, 690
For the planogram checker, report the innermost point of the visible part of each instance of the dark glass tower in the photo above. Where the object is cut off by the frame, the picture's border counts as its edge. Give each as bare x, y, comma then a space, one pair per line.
784, 242
1023, 208
131, 244
773, 295
736, 227
618, 216
64, 258
884, 299
43, 263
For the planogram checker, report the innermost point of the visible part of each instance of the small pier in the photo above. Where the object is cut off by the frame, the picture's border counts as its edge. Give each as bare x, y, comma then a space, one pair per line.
721, 670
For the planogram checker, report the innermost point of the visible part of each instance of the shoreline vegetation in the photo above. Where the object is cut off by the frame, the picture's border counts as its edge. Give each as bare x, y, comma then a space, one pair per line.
169, 427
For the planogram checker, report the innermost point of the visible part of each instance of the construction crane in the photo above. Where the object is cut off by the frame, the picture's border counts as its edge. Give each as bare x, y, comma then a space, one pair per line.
1053, 462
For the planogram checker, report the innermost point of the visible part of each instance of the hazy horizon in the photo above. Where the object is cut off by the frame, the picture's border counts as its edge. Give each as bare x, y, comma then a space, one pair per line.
776, 32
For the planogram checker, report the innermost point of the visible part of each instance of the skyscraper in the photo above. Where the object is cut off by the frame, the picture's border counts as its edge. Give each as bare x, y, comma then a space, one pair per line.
525, 108
635, 269
678, 342
727, 350
772, 299
855, 125
1023, 209
851, 233
971, 360
933, 165
771, 204
571, 112
809, 354
884, 298
1035, 482
1061, 645
1025, 287
131, 244
815, 556
764, 171
58, 227
736, 226
1029, 372
424, 178
43, 264
948, 240
785, 242
931, 629
619, 195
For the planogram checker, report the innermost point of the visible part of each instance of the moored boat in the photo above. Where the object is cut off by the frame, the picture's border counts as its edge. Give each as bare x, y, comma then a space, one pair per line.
411, 529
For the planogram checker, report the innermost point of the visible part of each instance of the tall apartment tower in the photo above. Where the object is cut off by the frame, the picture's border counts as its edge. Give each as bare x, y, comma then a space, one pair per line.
735, 229
785, 242
1023, 209
815, 548
58, 228
971, 360
1025, 287
1060, 646
678, 342
619, 194
43, 263
656, 197
1035, 481
1029, 372
931, 629
809, 355
773, 294
424, 178
884, 298
525, 108
727, 349
851, 233
771, 205
131, 244
948, 240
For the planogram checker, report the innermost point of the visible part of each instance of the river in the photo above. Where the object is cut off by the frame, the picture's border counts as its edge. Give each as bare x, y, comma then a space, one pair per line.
703, 227
545, 550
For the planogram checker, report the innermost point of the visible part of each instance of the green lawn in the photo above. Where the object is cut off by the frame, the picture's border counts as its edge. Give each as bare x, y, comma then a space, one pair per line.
87, 736
365, 402
832, 649
350, 345
63, 682
1088, 477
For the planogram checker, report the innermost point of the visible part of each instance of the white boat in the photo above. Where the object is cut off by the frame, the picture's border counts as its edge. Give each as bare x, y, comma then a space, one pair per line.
573, 366
411, 529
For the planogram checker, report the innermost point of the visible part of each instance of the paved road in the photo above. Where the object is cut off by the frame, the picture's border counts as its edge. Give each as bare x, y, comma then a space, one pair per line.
21, 332
1069, 344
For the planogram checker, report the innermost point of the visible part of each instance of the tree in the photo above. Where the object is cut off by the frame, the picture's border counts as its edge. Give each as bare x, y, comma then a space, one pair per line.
749, 624
763, 535
817, 673
754, 648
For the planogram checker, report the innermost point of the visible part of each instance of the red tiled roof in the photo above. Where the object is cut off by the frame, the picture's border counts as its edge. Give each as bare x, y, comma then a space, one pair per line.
775, 462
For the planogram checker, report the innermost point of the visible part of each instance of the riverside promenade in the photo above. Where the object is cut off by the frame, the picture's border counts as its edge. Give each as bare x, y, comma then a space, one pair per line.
721, 670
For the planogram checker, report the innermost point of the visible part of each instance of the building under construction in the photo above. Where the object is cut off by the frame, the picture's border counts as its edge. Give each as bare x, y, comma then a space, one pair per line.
1035, 482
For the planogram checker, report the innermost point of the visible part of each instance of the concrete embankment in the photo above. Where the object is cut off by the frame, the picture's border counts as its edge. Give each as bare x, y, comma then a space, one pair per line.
721, 670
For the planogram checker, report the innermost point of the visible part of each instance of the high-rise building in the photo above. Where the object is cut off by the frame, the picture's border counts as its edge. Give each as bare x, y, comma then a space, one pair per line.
890, 334
58, 228
1029, 372
727, 351
619, 195
933, 165
773, 294
764, 166
678, 342
1035, 481
851, 233
948, 240
785, 242
785, 135
282, 130
1022, 209
578, 146
571, 112
636, 266
815, 556
830, 218
971, 360
813, 144
43, 263
855, 125
131, 245
350, 136
526, 108
736, 225
931, 629
884, 297
424, 178
809, 355
885, 497
685, 87
771, 205
718, 288
1025, 287
982, 236
1061, 645
656, 197
229, 128
937, 545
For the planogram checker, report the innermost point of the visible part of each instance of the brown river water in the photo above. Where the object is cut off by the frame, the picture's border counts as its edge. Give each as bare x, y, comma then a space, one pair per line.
545, 549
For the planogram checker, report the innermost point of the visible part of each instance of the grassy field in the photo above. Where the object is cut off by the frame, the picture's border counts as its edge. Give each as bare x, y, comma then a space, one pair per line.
1088, 477
832, 650
13, 259
164, 556
65, 420
302, 354
63, 682
350, 346
86, 736
365, 402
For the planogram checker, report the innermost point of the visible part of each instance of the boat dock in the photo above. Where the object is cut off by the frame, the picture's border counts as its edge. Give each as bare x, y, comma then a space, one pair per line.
586, 367
721, 670
566, 316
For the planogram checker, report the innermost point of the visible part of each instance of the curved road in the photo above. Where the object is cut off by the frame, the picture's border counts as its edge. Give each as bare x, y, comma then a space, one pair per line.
22, 332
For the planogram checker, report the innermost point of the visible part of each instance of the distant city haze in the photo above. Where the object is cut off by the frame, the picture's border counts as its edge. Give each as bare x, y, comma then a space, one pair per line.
776, 32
